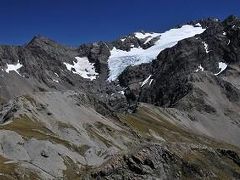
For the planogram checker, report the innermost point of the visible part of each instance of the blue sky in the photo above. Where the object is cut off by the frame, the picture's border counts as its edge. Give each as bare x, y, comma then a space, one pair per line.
74, 22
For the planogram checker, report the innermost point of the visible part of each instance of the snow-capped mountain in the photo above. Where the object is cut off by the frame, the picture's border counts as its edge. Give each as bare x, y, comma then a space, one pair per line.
149, 105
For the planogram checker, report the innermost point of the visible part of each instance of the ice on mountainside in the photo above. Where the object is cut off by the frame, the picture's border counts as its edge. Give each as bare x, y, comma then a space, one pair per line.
83, 68
120, 59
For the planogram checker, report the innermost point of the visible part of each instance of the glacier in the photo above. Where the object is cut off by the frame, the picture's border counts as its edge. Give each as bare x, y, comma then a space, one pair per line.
119, 59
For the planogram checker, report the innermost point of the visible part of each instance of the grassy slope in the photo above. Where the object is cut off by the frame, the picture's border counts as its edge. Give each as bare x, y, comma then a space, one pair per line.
150, 124
194, 149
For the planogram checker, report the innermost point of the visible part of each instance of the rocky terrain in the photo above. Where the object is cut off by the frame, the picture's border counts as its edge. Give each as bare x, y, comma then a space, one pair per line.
146, 106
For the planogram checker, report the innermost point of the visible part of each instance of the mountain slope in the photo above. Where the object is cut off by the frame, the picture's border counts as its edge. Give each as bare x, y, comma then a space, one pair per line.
149, 105
198, 78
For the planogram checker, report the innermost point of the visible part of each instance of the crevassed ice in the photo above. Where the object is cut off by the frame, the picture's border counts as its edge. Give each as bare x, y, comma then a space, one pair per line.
83, 68
13, 67
120, 60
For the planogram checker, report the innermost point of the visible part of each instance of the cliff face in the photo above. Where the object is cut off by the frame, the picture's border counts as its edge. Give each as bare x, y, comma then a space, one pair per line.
149, 105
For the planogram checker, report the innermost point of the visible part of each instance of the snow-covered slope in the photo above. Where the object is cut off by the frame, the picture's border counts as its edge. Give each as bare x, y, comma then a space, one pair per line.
120, 59
83, 68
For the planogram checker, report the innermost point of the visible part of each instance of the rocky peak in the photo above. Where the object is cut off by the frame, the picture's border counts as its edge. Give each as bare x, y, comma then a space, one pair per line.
40, 41
231, 20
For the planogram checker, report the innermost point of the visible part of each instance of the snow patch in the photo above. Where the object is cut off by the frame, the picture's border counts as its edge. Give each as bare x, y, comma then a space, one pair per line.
141, 35
13, 67
205, 47
121, 92
56, 74
198, 25
151, 80
54, 80
200, 68
222, 66
224, 33
146, 80
83, 68
149, 36
229, 41
120, 60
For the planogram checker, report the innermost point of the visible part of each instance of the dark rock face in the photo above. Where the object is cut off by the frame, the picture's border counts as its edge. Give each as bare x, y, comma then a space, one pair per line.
98, 54
8, 111
231, 155
133, 75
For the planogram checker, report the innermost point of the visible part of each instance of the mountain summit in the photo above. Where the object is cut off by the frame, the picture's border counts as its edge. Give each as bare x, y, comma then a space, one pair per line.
146, 106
